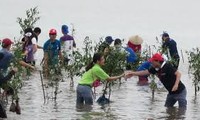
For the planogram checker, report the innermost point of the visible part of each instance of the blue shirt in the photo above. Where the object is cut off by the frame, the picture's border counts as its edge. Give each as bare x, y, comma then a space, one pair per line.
144, 66
171, 44
5, 61
132, 57
53, 49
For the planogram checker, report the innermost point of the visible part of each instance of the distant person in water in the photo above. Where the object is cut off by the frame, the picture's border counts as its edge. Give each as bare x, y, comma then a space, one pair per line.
143, 80
135, 43
169, 76
169, 46
67, 45
105, 46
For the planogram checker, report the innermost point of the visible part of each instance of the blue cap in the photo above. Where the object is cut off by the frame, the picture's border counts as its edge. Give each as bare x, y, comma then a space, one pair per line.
65, 29
109, 39
165, 34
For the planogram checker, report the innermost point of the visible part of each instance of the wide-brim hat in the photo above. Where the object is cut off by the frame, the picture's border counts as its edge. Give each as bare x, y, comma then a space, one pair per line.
136, 40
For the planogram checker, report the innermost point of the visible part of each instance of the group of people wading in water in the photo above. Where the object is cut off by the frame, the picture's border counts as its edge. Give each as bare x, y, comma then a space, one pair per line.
62, 50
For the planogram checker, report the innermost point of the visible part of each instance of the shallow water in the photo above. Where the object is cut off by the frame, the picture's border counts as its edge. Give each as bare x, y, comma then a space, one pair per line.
128, 101
99, 19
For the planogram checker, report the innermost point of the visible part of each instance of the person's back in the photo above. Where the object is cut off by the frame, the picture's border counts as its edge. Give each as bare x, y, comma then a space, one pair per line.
67, 45
171, 47
8, 56
171, 44
132, 57
143, 80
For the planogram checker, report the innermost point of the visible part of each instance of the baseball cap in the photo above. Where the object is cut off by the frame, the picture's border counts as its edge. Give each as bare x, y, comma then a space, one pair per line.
52, 32
156, 57
165, 34
109, 39
65, 29
6, 42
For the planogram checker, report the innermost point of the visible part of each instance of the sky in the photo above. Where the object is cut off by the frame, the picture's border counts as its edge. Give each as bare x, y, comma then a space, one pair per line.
118, 18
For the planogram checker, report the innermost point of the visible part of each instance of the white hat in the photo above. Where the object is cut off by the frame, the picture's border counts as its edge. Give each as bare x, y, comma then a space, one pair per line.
28, 34
136, 40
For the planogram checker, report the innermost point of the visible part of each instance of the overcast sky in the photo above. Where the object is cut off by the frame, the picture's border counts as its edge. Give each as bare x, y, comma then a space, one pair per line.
119, 18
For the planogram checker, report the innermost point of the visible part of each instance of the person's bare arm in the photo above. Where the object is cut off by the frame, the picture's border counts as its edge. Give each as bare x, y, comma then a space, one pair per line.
178, 77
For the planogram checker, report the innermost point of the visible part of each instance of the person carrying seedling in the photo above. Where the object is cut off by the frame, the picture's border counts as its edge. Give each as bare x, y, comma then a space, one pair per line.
170, 78
93, 72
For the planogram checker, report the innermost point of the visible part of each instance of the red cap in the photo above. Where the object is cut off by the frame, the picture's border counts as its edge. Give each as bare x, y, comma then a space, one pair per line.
6, 42
53, 31
156, 57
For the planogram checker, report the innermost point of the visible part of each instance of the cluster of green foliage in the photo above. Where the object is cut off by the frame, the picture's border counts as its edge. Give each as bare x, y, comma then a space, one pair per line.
30, 20
194, 67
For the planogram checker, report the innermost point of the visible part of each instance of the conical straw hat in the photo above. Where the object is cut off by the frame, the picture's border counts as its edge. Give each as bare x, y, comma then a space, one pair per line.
136, 40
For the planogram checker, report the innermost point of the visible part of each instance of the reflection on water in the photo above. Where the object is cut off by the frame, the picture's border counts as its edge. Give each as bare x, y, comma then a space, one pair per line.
175, 113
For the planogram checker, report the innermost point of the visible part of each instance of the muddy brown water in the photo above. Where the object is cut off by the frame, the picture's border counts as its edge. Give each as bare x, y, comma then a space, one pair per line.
128, 102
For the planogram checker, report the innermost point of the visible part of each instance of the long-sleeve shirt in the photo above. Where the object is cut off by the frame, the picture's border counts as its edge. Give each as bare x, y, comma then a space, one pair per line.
7, 77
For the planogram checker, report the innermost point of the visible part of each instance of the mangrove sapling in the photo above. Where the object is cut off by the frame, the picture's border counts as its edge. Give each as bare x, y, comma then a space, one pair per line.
42, 83
73, 69
17, 107
87, 51
114, 65
194, 67
55, 76
182, 56
30, 20
12, 106
153, 85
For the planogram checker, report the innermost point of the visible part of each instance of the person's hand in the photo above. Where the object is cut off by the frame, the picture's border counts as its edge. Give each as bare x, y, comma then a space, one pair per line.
32, 67
175, 87
15, 69
128, 74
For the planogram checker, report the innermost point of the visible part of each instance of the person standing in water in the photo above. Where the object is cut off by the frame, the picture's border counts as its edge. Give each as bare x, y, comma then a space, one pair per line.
93, 72
169, 76
67, 45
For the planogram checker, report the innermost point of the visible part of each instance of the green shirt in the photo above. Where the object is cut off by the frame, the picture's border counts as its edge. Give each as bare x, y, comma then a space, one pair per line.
96, 72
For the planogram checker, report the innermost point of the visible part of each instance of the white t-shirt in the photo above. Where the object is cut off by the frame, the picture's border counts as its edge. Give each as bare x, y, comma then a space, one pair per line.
34, 42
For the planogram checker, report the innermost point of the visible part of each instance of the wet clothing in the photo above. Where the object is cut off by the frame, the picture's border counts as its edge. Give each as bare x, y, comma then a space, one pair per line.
84, 91
167, 76
53, 49
171, 45
173, 98
5, 61
84, 95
